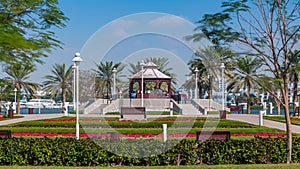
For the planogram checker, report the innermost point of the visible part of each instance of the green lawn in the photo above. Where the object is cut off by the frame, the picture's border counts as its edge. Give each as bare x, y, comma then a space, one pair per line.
252, 166
6, 118
282, 119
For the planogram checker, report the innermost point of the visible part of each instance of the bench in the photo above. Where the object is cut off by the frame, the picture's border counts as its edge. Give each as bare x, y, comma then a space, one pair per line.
296, 111
236, 109
204, 135
5, 134
133, 111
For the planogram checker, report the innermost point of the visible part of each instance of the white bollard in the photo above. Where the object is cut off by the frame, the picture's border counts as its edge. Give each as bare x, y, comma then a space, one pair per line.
165, 132
171, 108
261, 120
265, 105
271, 108
66, 108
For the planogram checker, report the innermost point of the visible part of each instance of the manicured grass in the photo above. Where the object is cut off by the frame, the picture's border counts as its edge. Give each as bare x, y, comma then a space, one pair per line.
198, 122
251, 166
137, 130
282, 119
6, 118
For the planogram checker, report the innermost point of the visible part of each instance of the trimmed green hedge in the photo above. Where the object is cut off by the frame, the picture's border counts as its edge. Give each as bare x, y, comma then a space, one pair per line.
208, 123
86, 152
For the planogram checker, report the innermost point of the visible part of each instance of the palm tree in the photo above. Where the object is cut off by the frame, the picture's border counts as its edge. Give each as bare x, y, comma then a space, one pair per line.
250, 66
19, 76
203, 84
60, 82
295, 73
207, 62
104, 76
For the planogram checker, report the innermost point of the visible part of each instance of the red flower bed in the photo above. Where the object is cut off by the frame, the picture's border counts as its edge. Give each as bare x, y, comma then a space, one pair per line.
264, 134
295, 119
62, 121
156, 120
101, 135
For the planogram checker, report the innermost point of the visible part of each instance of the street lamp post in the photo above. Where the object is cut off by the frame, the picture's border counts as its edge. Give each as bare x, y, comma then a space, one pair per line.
74, 86
76, 61
39, 95
223, 85
114, 90
196, 83
142, 85
15, 104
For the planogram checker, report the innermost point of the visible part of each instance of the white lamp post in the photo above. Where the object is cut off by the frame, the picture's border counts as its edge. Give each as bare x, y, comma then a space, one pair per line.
74, 86
76, 61
196, 83
114, 90
15, 104
39, 98
223, 85
142, 86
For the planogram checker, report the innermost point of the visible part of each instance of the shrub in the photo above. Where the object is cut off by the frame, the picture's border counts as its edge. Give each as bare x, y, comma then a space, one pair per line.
86, 152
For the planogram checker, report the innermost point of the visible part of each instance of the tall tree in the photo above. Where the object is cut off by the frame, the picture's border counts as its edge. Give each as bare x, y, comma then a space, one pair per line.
203, 82
104, 76
295, 74
29, 23
60, 82
250, 66
18, 74
268, 30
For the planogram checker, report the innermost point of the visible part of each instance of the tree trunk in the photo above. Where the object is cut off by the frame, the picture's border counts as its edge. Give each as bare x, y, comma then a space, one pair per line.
278, 106
295, 91
18, 105
200, 92
63, 100
285, 95
248, 98
289, 132
209, 88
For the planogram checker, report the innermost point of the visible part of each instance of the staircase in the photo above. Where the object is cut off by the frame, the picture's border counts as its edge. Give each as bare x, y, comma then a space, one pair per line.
189, 109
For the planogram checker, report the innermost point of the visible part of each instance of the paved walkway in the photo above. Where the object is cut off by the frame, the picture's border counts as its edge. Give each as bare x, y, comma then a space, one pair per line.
248, 118
254, 119
29, 118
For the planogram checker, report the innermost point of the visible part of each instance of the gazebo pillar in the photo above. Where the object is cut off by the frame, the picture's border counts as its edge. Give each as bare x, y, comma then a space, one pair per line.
169, 87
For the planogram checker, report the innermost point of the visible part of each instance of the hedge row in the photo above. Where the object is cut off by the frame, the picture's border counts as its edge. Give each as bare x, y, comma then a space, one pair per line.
221, 123
139, 130
142, 152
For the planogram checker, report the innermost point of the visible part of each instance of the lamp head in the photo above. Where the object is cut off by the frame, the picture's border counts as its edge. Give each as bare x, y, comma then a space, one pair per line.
77, 58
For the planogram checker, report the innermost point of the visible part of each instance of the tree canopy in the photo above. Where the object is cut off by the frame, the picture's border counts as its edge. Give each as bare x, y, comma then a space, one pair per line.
26, 29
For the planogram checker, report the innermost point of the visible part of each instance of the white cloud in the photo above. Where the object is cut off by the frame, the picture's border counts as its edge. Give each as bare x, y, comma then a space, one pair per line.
167, 20
119, 32
123, 23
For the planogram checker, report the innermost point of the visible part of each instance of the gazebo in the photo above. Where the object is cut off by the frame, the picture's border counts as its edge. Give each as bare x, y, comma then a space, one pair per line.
156, 83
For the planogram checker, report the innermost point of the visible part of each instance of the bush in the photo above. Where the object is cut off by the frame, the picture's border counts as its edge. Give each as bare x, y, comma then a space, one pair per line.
86, 152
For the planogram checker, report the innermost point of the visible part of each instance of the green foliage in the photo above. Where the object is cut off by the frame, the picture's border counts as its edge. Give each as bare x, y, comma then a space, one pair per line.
151, 152
30, 24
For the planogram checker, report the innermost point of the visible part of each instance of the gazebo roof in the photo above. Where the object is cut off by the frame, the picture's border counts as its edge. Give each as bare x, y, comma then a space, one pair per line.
150, 72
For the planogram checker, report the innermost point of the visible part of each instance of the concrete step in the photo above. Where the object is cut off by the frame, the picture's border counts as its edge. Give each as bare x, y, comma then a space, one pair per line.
98, 110
189, 109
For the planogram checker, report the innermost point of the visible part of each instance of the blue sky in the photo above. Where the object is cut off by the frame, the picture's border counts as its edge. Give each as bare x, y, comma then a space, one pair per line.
88, 16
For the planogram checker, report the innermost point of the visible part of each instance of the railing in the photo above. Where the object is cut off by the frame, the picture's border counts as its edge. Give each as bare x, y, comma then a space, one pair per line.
198, 106
176, 106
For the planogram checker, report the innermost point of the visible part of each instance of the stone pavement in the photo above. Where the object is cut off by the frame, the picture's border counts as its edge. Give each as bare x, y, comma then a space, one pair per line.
254, 119
30, 117
248, 118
